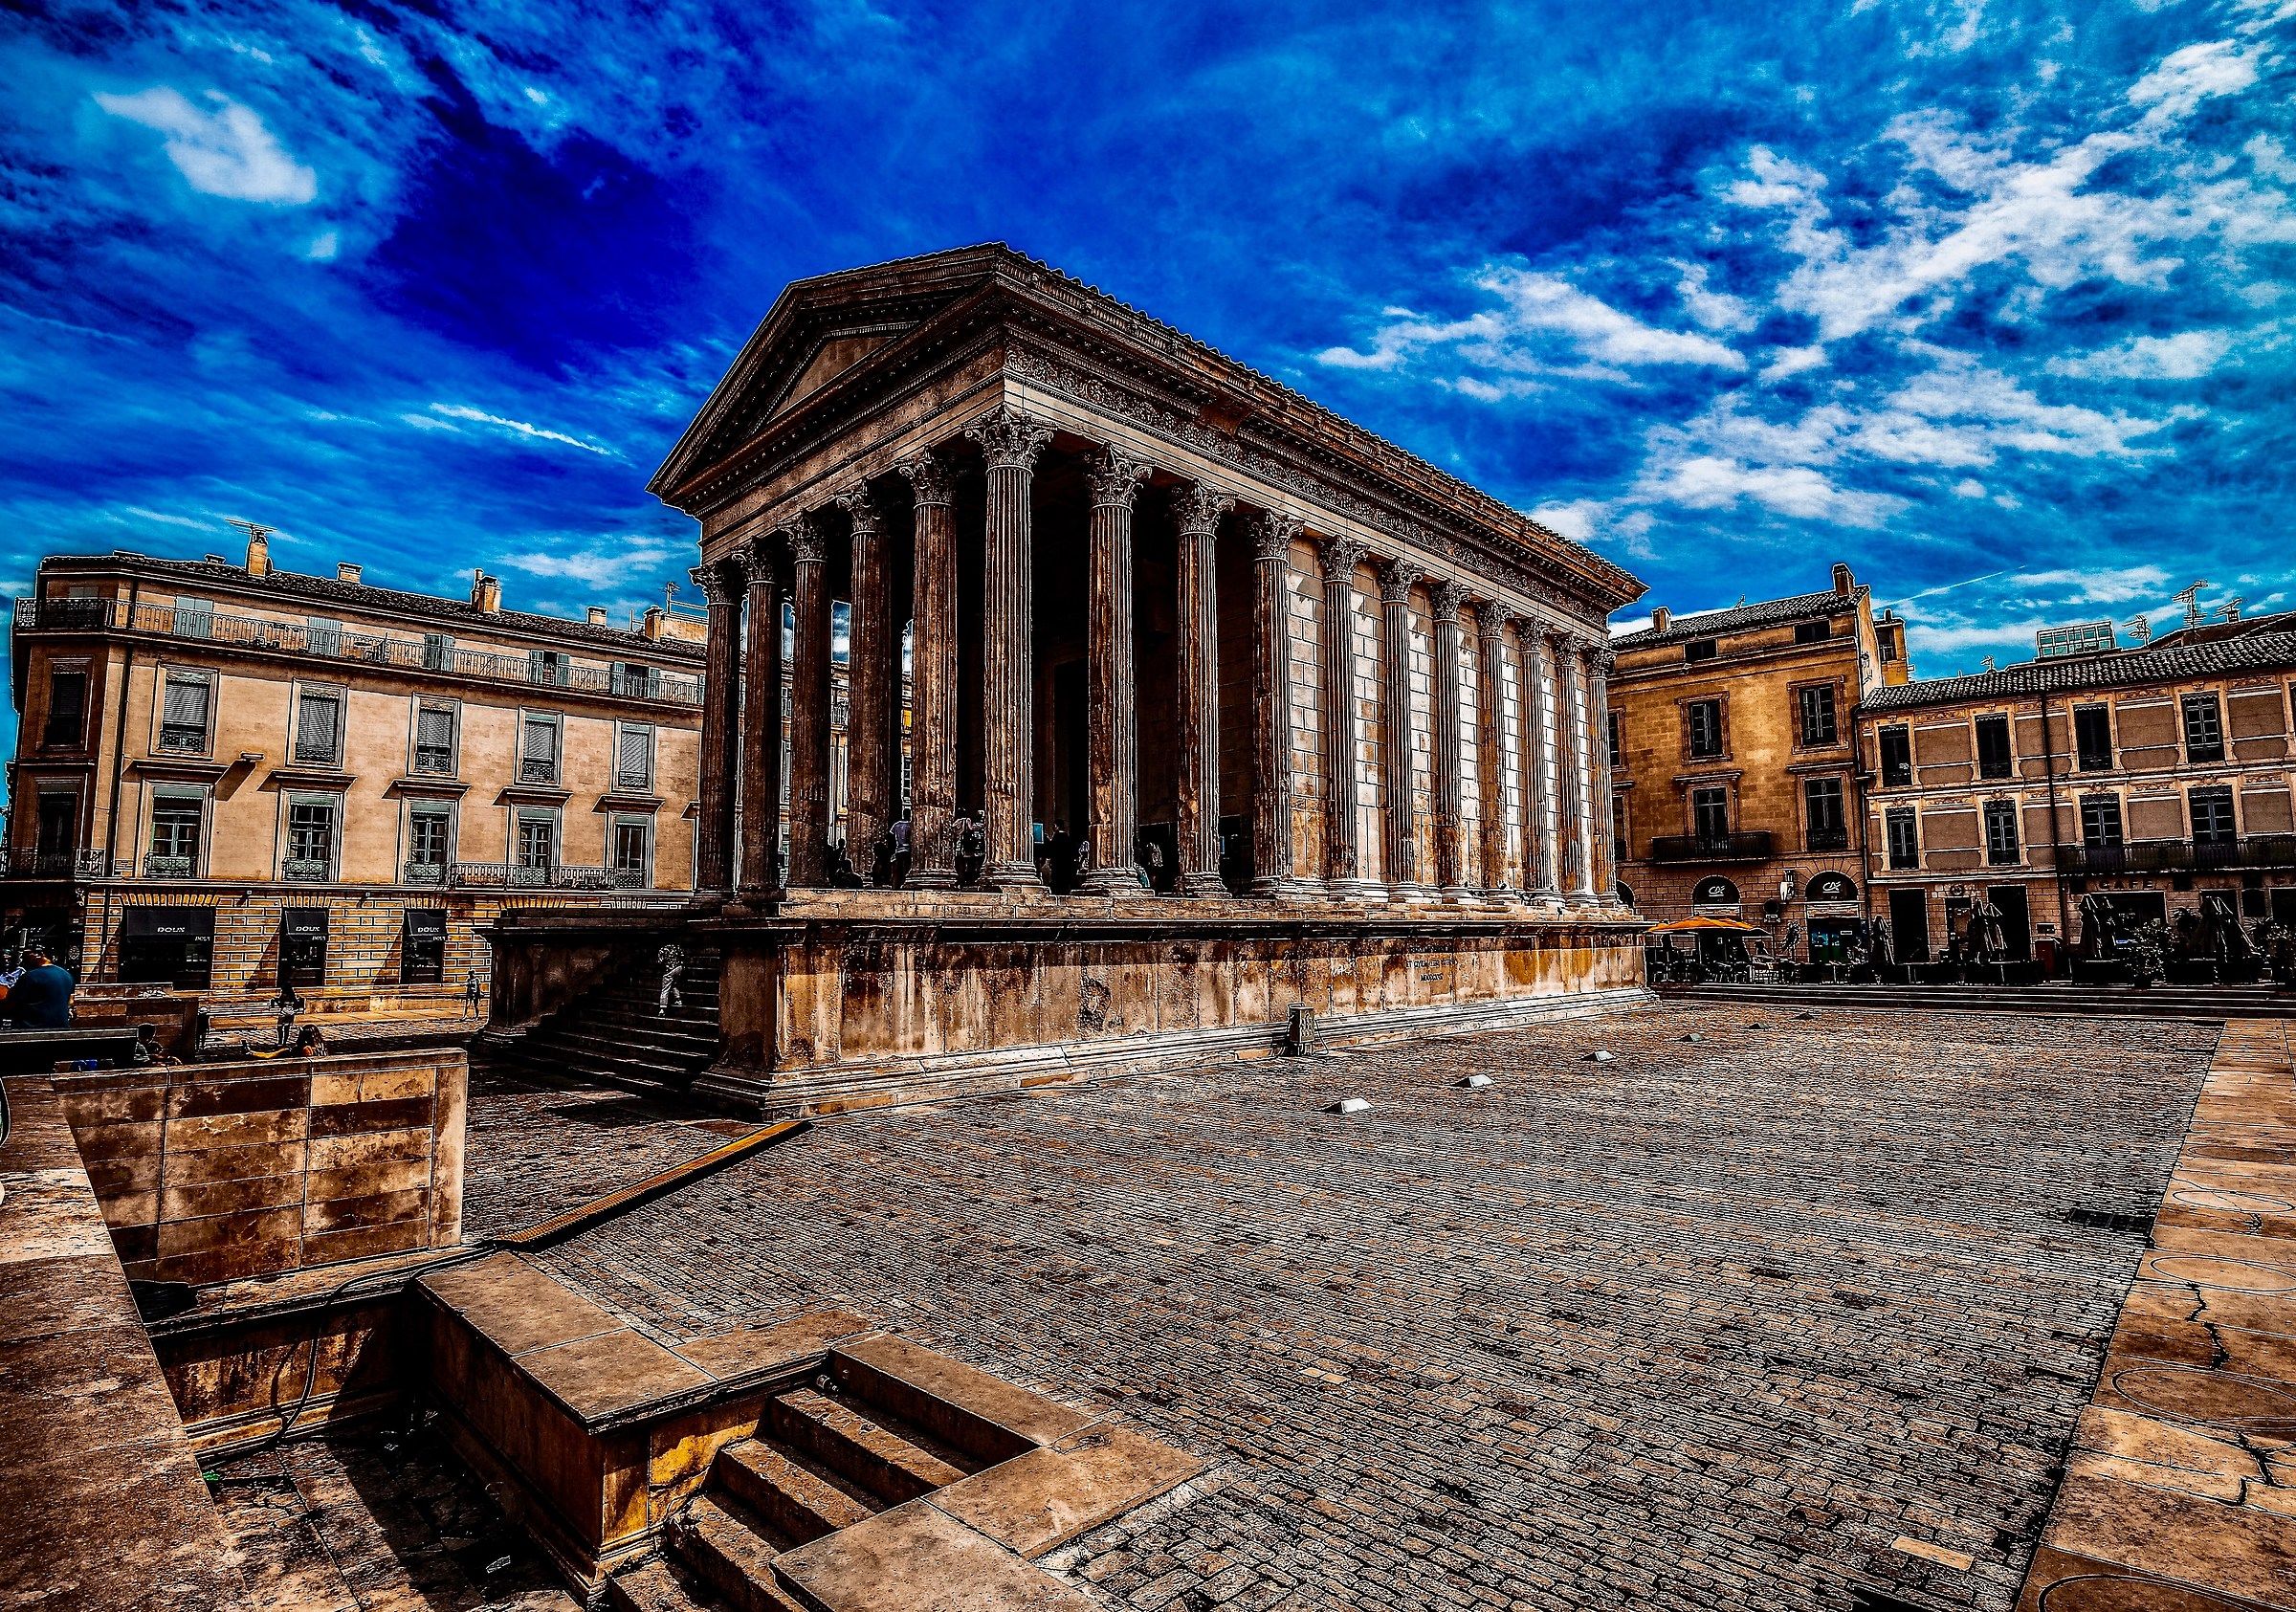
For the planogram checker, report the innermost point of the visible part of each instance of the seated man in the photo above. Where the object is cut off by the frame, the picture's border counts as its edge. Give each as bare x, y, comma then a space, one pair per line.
42, 999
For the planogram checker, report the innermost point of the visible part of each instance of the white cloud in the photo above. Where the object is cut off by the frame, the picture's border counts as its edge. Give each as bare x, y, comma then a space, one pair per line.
1714, 309
2185, 356
599, 567
479, 416
2090, 588
322, 248
221, 151
1969, 487
2272, 158
1791, 361
142, 514
1708, 481
1575, 521
2185, 78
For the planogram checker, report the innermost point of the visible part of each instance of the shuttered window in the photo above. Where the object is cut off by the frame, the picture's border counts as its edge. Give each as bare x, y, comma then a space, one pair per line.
633, 757
319, 728
434, 739
184, 715
538, 751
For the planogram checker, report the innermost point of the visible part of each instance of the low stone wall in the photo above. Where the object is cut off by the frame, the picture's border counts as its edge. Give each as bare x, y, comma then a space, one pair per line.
209, 1171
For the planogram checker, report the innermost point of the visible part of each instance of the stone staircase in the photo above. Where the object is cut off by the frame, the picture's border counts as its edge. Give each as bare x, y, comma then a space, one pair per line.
615, 1034
2196, 1003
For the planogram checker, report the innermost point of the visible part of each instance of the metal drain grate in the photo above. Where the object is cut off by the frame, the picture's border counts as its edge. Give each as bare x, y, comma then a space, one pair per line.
2121, 1221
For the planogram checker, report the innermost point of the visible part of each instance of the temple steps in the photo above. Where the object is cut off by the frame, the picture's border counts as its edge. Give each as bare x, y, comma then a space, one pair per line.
616, 1034
731, 1550
2196, 1003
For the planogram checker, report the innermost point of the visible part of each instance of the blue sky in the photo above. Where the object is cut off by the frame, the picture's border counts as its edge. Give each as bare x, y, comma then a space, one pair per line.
1992, 300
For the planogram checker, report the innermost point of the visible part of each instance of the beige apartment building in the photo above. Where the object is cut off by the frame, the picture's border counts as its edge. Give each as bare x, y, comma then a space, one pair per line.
2151, 777
230, 774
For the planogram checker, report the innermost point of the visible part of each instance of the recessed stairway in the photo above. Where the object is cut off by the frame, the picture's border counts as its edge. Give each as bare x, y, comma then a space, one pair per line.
2198, 1003
617, 1034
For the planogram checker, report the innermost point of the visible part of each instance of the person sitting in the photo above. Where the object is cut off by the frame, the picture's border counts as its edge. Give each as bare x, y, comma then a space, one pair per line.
41, 1000
310, 1044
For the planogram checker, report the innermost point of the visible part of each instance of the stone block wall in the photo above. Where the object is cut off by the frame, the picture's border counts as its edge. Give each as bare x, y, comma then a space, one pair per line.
211, 1172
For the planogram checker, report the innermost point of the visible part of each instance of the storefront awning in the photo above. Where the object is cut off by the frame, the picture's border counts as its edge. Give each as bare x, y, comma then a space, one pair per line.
296, 922
168, 924
426, 923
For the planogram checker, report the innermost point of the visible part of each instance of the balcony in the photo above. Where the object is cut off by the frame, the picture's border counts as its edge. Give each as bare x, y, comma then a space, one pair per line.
504, 876
1754, 845
307, 869
54, 864
97, 615
169, 867
2178, 857
1829, 839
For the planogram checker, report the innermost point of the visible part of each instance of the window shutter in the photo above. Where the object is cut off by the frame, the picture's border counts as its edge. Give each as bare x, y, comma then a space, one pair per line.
637, 755
433, 729
187, 703
541, 742
322, 727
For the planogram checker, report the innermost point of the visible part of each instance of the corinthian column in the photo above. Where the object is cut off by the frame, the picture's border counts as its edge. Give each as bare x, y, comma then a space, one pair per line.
1395, 712
809, 706
1196, 511
1010, 445
1490, 738
761, 725
714, 854
869, 669
1542, 755
1601, 851
1112, 718
1271, 703
1443, 718
1343, 819
933, 678
1570, 730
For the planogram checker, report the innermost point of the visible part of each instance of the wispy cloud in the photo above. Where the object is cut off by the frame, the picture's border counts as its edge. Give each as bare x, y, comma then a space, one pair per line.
599, 567
517, 428
223, 149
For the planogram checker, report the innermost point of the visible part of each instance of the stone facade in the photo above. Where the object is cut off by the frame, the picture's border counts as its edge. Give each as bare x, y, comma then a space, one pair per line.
1736, 782
1229, 647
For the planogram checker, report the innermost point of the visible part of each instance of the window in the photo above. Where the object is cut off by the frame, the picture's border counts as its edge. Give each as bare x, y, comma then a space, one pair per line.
194, 618
184, 715
633, 848
1827, 825
1618, 748
2001, 832
635, 682
319, 727
2212, 817
1994, 760
175, 823
538, 841
1704, 718
1816, 707
2093, 738
438, 653
1709, 815
429, 836
434, 739
59, 823
311, 821
537, 749
2204, 728
1905, 838
324, 636
2100, 822
1813, 632
1698, 649
547, 667
67, 723
1897, 757
633, 757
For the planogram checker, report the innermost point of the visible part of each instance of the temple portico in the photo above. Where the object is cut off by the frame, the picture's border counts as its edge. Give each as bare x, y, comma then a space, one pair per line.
1192, 664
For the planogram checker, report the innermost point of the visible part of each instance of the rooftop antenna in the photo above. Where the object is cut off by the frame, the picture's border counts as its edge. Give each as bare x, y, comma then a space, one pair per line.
253, 529
2140, 630
2230, 609
1989, 666
2190, 598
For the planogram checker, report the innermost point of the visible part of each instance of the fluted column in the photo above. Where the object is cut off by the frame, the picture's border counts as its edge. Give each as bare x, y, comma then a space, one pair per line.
1601, 850
932, 677
810, 705
1443, 718
1010, 445
1401, 859
1490, 742
1113, 697
1542, 788
714, 852
1570, 730
1343, 819
1271, 704
761, 723
1195, 512
870, 646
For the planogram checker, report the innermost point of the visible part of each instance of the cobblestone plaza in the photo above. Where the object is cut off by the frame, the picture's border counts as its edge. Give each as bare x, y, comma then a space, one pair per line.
1765, 1309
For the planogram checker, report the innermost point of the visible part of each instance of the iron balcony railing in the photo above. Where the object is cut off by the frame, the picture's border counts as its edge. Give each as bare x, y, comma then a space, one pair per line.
1829, 839
54, 864
1752, 846
2165, 856
190, 622
169, 867
506, 875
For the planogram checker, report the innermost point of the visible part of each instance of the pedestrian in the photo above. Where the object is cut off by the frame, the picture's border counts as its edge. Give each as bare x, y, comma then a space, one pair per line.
672, 961
472, 997
41, 999
284, 1008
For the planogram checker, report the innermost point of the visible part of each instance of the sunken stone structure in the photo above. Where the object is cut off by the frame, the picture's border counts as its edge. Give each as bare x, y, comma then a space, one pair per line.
1219, 706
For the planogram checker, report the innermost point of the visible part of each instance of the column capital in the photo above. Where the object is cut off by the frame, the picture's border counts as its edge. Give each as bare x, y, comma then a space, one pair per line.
1491, 618
759, 559
1277, 528
1009, 440
1115, 478
1342, 555
718, 584
862, 508
1567, 643
804, 541
1396, 578
930, 479
1197, 507
1446, 596
1600, 659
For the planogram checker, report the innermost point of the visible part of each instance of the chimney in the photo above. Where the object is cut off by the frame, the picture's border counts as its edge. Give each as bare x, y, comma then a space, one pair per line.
1844, 584
345, 571
259, 553
651, 623
1661, 619
595, 615
486, 592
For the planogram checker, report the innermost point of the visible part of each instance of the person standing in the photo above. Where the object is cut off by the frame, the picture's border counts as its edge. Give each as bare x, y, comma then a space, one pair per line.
672, 961
284, 1008
41, 999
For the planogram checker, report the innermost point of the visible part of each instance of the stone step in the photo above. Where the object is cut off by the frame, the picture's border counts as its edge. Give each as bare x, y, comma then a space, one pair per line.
985, 1417
865, 1449
801, 1499
655, 1586
616, 1040
731, 1549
